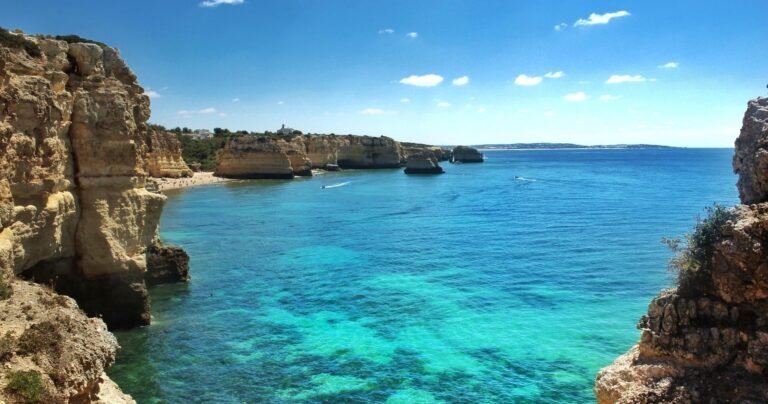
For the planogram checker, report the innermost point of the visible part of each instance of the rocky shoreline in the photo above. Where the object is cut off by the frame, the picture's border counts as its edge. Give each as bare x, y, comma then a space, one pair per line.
707, 339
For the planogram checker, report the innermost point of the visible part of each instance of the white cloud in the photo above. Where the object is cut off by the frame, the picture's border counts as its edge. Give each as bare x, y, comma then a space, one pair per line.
600, 19
481, 110
561, 26
525, 80
554, 75
443, 104
670, 65
405, 100
216, 3
186, 112
280, 102
413, 35
461, 81
549, 114
576, 97
386, 31
427, 80
223, 115
375, 111
152, 94
625, 78
609, 97
235, 100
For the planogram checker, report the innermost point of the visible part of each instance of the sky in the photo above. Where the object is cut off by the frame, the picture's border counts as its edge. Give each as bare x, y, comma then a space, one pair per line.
436, 71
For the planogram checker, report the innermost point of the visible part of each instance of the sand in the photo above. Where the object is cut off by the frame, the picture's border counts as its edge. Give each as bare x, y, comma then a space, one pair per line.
201, 178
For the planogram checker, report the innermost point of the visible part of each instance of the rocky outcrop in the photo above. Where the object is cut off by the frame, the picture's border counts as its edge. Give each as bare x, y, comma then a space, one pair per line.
439, 153
164, 159
707, 340
166, 264
74, 207
422, 164
46, 336
466, 154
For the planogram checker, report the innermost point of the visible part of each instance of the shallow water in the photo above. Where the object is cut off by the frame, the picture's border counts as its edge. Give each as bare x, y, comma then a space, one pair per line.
514, 280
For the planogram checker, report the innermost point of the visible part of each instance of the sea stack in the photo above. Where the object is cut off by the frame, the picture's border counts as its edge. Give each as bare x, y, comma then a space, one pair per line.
422, 164
706, 340
466, 154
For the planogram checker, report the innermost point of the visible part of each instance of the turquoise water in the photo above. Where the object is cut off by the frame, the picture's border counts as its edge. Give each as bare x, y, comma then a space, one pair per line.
472, 286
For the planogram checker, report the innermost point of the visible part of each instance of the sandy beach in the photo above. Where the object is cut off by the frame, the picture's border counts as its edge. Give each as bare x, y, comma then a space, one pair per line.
200, 178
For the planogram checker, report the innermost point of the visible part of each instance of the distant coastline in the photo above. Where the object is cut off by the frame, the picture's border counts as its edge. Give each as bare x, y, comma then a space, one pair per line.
564, 146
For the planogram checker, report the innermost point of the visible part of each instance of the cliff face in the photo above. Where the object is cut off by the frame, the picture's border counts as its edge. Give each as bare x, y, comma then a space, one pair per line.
710, 342
164, 158
284, 157
73, 205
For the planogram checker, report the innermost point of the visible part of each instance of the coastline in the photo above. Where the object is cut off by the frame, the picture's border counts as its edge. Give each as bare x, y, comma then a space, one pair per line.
198, 178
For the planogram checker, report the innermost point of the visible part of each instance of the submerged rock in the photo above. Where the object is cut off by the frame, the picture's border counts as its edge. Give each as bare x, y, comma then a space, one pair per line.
422, 164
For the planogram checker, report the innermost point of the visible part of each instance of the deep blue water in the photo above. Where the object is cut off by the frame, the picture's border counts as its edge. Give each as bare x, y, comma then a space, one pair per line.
472, 286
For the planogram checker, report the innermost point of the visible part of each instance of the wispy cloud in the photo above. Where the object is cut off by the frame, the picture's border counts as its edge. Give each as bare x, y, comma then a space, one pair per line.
375, 111
460, 81
152, 94
235, 100
554, 75
561, 26
600, 19
405, 100
609, 97
216, 3
281, 103
527, 81
386, 31
186, 112
481, 110
443, 104
575, 97
427, 80
669, 65
626, 78
413, 35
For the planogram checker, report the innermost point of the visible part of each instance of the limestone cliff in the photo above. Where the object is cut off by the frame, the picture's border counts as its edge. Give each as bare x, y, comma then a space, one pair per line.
252, 156
164, 158
75, 149
707, 340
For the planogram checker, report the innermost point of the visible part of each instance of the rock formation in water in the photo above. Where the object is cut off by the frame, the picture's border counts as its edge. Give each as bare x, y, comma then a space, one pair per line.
74, 210
466, 154
166, 264
422, 163
251, 156
51, 352
164, 157
707, 340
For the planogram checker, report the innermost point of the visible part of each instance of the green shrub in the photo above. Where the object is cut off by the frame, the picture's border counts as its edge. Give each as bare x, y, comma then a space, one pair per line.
5, 288
692, 263
7, 346
41, 337
77, 39
27, 385
15, 41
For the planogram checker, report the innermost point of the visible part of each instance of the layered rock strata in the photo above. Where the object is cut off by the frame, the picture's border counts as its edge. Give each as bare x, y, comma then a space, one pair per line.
422, 164
283, 157
466, 154
709, 343
74, 208
164, 158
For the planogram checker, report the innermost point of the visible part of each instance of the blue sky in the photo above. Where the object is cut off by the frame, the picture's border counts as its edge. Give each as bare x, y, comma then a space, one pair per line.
682, 71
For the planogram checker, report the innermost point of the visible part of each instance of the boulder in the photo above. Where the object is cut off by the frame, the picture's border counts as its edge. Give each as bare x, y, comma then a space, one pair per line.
422, 164
465, 154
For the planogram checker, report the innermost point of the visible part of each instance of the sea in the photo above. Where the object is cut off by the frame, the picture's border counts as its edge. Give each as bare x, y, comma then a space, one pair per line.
510, 281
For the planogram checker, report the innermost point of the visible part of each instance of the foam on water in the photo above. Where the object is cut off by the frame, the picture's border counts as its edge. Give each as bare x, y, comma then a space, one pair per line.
463, 287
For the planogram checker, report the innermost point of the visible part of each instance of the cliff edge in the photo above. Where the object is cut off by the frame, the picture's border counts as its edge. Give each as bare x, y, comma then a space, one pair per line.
707, 339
